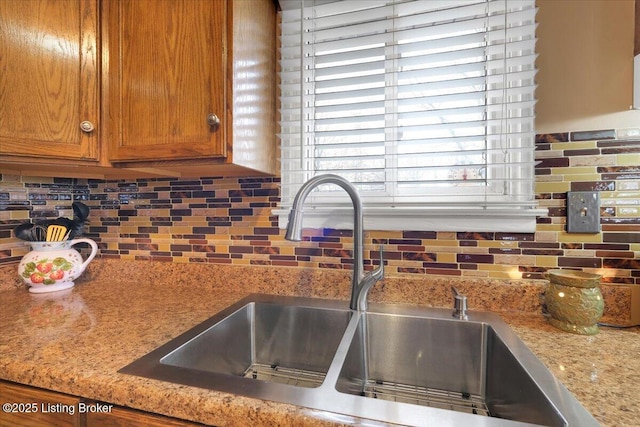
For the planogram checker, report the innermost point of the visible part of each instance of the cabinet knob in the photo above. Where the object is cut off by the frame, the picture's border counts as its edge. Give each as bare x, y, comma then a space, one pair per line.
213, 121
87, 126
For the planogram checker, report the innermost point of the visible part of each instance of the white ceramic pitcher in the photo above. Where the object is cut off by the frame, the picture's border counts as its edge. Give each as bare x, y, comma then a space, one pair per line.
53, 266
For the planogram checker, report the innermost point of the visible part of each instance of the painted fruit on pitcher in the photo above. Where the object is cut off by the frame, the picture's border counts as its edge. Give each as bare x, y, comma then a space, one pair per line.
47, 271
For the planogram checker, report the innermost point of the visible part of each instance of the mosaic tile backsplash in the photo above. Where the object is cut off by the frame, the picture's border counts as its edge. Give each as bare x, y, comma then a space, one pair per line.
229, 221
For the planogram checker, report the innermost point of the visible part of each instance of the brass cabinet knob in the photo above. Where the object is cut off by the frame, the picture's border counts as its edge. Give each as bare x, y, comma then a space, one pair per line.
213, 121
86, 126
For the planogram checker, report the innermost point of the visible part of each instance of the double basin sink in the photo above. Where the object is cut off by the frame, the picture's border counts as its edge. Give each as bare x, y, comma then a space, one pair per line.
396, 364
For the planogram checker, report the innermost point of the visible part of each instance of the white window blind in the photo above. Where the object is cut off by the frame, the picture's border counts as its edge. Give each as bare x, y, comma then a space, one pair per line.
426, 106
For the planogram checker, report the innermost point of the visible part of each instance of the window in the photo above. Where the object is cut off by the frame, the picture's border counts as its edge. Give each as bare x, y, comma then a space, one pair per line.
426, 106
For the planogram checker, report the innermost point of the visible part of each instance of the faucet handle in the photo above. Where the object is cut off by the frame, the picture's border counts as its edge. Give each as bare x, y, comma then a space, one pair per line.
380, 270
459, 305
367, 281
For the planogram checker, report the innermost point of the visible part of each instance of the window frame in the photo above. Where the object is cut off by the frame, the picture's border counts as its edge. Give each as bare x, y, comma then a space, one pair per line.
468, 212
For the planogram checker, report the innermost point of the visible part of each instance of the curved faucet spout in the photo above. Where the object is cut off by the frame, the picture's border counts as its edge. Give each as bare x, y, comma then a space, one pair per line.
294, 230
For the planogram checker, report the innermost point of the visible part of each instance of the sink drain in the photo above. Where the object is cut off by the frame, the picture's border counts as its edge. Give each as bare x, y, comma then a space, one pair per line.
424, 396
282, 375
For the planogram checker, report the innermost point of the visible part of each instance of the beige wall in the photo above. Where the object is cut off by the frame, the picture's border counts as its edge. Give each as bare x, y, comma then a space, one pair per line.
585, 65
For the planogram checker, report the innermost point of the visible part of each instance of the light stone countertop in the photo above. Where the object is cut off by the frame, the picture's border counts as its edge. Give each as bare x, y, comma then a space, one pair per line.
75, 341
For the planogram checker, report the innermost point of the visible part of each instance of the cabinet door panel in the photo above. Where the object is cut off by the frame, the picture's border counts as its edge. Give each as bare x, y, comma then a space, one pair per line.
48, 78
37, 408
122, 417
166, 75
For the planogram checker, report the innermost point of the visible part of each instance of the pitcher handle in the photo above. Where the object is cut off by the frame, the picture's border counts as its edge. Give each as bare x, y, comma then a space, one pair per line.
94, 250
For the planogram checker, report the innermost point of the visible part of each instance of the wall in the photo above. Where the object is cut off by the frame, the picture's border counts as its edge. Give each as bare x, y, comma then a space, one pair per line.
585, 65
228, 221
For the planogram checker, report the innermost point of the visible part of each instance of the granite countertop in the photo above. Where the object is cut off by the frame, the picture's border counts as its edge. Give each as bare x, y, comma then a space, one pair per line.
75, 341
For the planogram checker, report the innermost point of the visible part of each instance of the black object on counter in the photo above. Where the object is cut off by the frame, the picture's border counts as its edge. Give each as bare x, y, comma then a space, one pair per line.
36, 232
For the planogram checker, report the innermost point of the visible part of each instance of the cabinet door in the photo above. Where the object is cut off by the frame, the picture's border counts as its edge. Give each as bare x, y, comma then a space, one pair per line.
122, 417
48, 78
166, 75
28, 406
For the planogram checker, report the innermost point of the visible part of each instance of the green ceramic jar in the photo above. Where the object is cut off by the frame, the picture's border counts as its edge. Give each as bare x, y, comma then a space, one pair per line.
574, 301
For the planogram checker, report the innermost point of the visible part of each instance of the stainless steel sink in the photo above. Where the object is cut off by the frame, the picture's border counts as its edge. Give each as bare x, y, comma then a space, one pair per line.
396, 364
449, 364
267, 341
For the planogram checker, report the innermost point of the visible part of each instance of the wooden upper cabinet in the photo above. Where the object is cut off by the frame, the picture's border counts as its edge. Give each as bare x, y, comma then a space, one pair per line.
138, 88
166, 77
49, 83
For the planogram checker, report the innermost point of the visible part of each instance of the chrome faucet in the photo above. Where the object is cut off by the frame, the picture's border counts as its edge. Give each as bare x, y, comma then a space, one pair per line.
361, 282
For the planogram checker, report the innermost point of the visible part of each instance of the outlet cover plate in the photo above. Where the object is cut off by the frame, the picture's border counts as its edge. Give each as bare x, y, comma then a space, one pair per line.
583, 212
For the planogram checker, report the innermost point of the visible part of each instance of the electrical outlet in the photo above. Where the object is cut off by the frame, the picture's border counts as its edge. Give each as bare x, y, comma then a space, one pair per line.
583, 212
